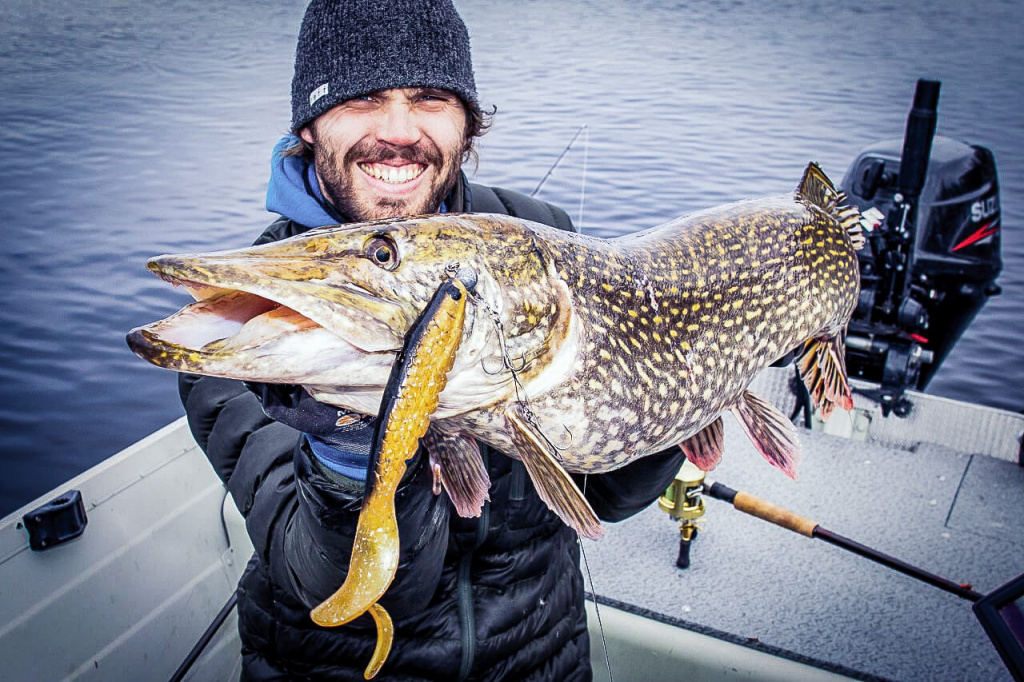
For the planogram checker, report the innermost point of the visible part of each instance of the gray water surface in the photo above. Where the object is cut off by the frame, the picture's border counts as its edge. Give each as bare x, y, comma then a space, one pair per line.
129, 129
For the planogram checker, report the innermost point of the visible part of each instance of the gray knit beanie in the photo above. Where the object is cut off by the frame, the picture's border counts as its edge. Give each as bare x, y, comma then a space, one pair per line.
348, 48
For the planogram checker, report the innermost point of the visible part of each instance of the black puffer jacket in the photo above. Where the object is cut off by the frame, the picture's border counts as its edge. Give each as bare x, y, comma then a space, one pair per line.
494, 598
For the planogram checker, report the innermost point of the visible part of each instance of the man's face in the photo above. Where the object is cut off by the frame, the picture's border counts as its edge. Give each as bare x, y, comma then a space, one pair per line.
390, 153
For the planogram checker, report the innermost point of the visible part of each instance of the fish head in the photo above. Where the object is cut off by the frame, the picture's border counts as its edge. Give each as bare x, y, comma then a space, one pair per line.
330, 309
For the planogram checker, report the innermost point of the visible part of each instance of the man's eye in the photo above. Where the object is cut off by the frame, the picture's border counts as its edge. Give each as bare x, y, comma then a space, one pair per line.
361, 102
434, 97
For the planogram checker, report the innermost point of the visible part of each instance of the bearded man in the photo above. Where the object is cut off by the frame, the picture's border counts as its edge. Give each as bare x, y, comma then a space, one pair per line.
384, 113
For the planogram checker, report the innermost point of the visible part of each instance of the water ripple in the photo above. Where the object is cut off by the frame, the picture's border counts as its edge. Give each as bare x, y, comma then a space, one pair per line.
132, 129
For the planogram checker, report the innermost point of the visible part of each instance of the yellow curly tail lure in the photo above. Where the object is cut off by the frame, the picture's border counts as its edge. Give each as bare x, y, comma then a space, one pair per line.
417, 379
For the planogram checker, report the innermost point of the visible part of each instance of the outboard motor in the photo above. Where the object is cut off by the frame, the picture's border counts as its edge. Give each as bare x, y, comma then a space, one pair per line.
931, 211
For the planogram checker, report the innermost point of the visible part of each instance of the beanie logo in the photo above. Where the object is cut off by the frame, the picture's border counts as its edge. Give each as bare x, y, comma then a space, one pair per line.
318, 93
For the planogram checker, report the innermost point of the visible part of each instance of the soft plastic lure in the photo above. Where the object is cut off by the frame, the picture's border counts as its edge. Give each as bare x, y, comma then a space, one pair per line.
411, 396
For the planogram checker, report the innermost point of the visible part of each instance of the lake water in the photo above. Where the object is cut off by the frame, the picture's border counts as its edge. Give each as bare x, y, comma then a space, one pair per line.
130, 128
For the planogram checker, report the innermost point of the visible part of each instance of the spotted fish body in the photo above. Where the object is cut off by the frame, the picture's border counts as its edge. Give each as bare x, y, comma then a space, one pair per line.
578, 354
675, 322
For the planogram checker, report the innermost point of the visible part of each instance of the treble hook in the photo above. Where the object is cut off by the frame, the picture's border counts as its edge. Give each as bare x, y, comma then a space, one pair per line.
500, 370
506, 364
569, 445
511, 367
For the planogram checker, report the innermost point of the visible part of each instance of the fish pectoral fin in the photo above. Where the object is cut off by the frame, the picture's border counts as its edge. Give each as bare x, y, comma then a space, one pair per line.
457, 465
770, 431
705, 447
822, 366
554, 485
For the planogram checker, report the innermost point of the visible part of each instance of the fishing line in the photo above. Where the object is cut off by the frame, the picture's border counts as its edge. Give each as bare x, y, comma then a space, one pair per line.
593, 592
585, 132
521, 397
583, 180
532, 419
506, 359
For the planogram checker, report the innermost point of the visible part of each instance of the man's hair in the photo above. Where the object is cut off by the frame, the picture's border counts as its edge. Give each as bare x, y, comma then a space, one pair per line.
478, 122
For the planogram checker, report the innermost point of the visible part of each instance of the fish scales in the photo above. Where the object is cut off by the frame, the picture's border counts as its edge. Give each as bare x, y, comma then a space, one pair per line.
679, 319
578, 354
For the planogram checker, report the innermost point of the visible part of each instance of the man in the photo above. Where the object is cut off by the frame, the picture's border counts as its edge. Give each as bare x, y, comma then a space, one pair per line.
384, 111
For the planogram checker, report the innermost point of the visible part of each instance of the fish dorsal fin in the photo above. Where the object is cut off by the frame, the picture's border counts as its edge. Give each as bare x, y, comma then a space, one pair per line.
770, 431
554, 485
822, 366
705, 447
817, 190
457, 465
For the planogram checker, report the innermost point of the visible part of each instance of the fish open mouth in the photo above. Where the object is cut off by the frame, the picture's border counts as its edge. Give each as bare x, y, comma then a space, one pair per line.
229, 321
249, 324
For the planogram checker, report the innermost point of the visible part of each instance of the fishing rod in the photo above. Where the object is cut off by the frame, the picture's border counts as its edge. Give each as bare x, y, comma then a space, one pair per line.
583, 130
201, 645
773, 513
1000, 612
683, 500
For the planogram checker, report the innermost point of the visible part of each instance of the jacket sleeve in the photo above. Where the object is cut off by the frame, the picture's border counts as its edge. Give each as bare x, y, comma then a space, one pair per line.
619, 494
302, 525
318, 537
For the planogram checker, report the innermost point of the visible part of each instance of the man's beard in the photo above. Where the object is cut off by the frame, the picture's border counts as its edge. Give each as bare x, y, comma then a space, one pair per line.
338, 184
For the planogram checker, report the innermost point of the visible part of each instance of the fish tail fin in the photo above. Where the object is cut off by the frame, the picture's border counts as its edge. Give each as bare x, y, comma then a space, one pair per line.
822, 366
817, 190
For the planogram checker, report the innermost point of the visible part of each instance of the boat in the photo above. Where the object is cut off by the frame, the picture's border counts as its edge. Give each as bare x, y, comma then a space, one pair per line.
163, 548
128, 571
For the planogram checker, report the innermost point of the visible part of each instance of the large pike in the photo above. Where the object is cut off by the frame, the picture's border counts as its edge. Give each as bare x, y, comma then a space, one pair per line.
577, 354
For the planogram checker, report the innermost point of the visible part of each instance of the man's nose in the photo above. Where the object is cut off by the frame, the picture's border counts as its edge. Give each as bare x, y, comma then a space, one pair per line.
398, 126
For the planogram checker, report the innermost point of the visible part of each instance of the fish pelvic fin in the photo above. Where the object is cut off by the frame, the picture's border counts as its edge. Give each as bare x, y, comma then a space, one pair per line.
457, 465
554, 485
817, 190
822, 366
705, 447
770, 431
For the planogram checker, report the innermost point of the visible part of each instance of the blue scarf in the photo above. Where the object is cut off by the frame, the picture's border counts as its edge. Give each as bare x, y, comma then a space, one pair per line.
293, 190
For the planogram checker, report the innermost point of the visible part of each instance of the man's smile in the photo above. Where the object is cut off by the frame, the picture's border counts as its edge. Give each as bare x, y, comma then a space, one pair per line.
393, 174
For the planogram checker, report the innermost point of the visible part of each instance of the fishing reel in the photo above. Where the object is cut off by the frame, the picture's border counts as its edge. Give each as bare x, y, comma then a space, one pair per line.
683, 501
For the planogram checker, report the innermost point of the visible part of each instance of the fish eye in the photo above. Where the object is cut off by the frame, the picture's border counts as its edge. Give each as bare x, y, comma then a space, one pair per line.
383, 252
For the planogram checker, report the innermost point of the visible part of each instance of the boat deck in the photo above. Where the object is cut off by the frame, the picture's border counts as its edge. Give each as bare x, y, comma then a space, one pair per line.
942, 489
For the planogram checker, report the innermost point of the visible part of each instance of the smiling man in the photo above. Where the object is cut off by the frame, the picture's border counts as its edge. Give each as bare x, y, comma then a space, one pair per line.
384, 113
389, 152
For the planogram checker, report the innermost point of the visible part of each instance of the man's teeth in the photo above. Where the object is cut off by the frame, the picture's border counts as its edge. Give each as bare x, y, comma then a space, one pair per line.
394, 174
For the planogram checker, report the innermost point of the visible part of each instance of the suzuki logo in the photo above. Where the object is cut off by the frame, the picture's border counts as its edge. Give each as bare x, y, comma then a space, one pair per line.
985, 208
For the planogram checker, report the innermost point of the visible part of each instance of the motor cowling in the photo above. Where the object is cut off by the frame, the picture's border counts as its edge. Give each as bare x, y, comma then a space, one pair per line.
952, 254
